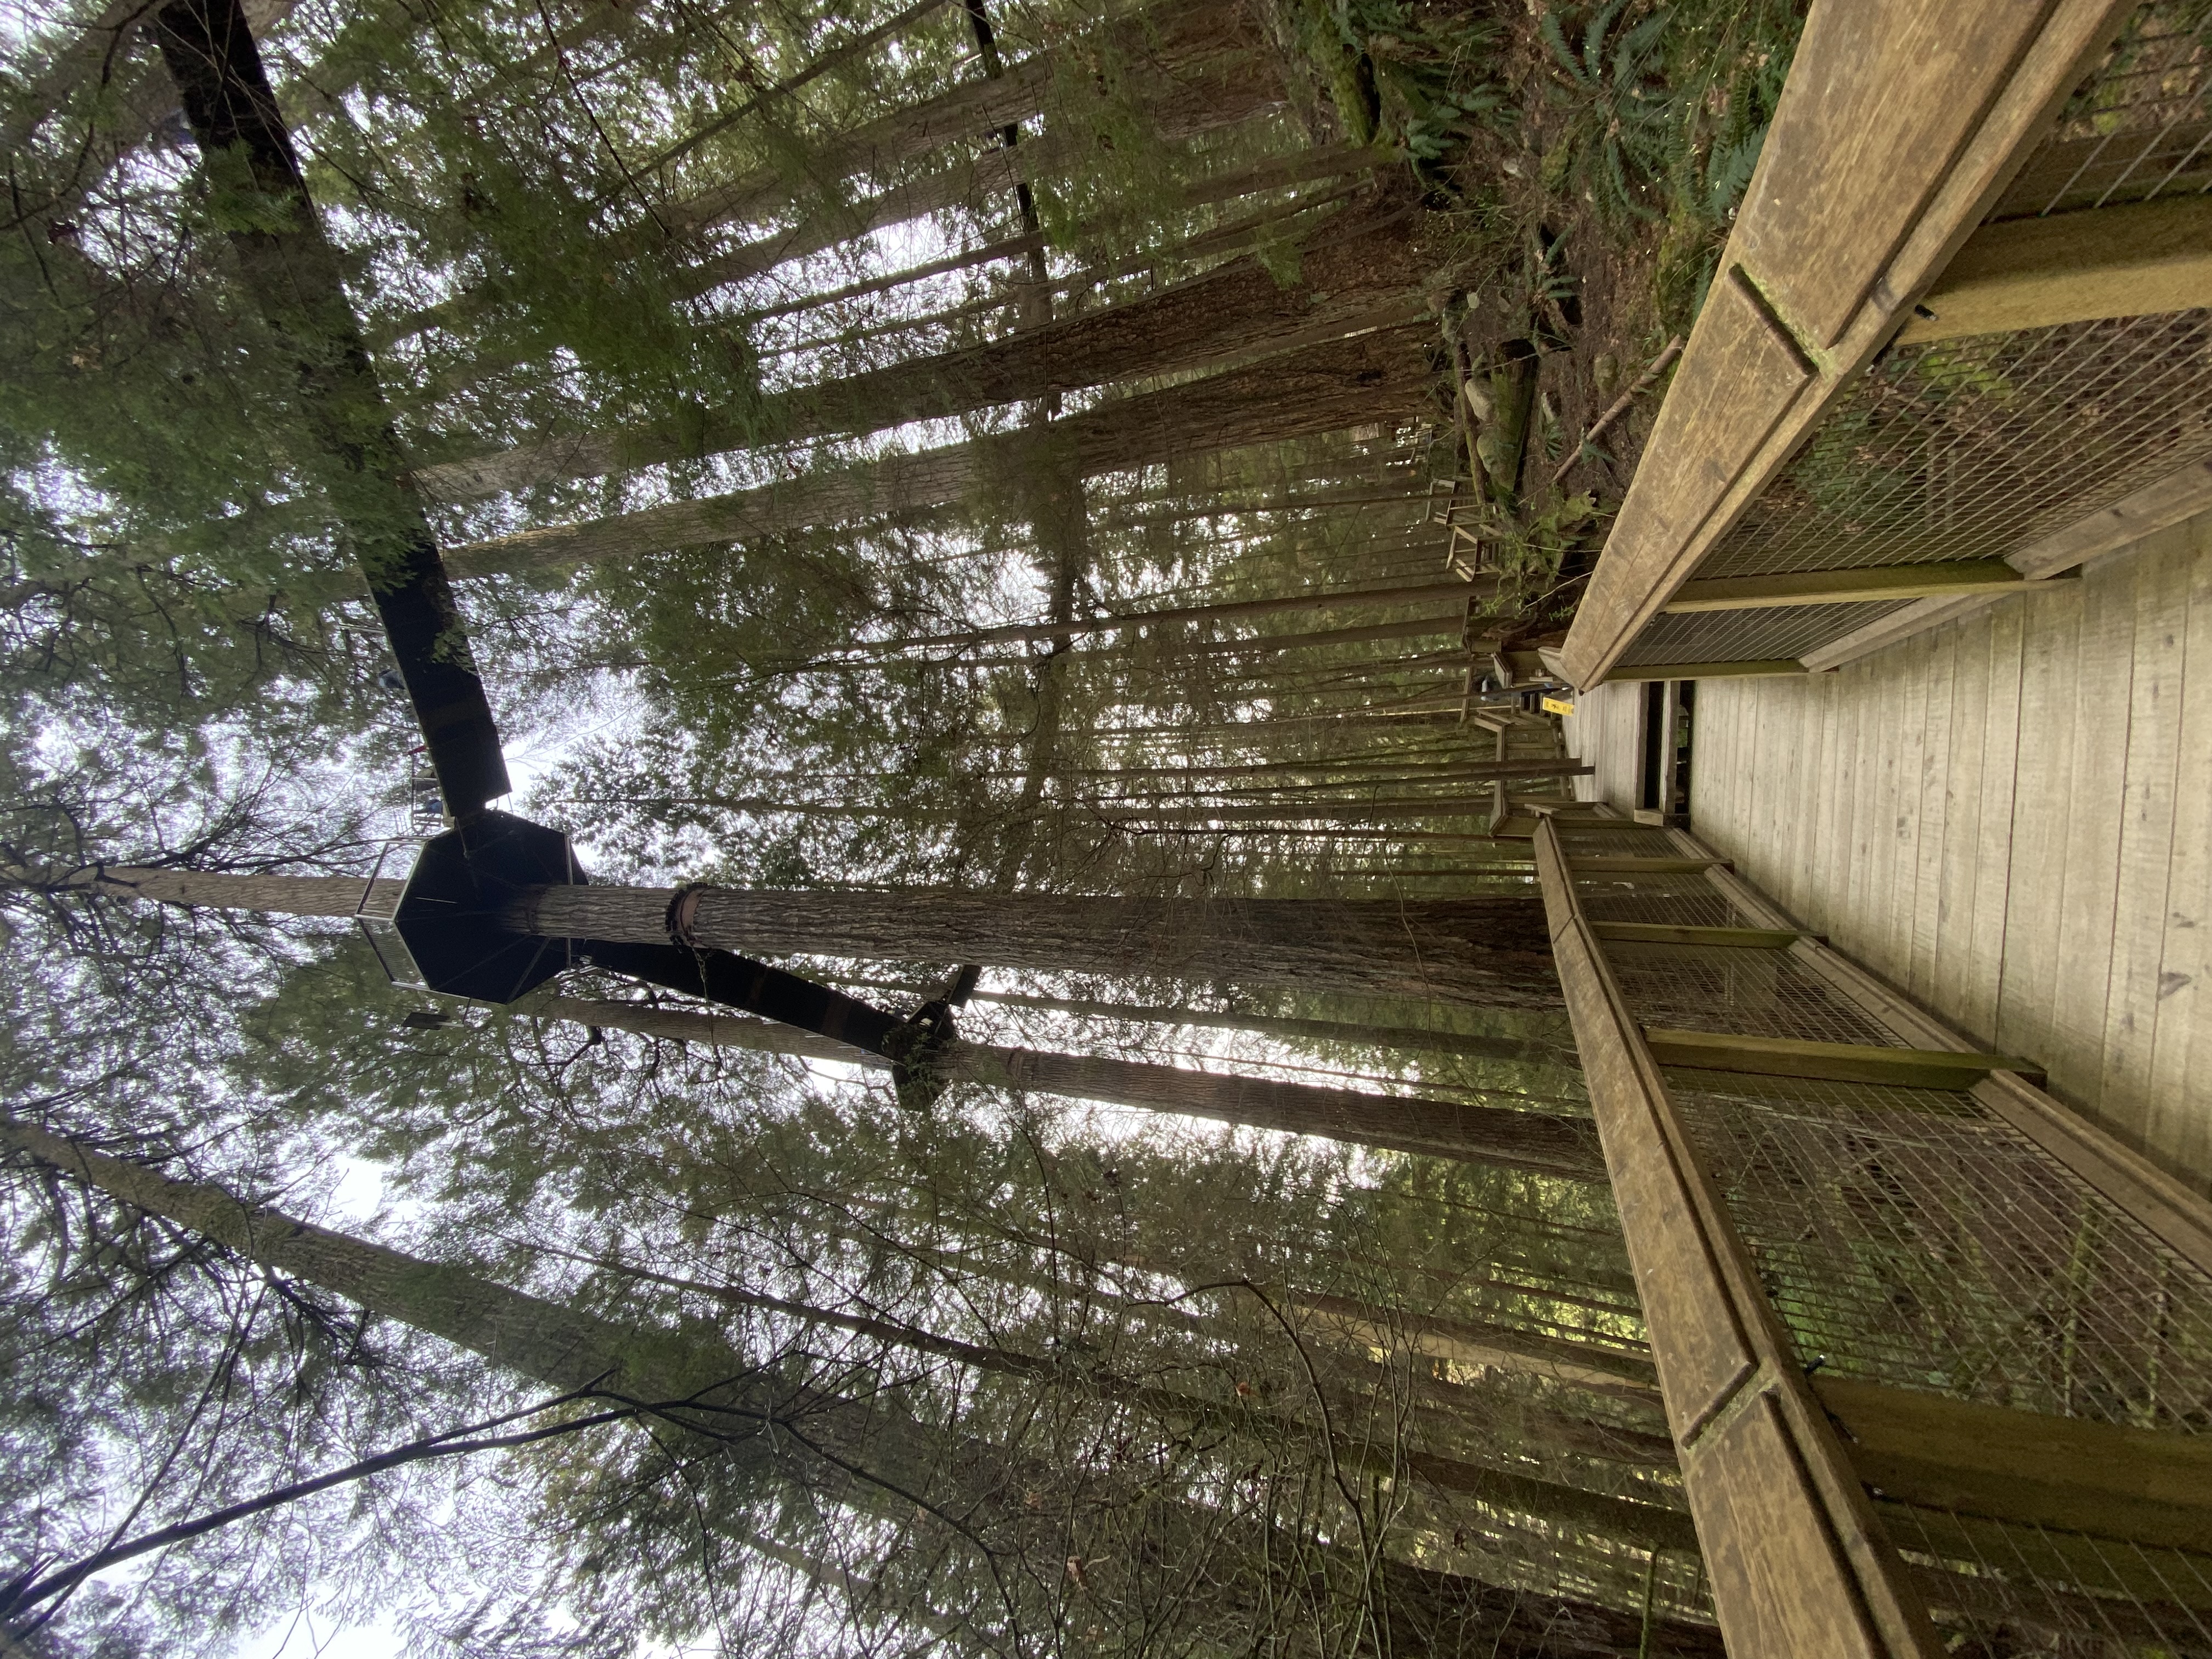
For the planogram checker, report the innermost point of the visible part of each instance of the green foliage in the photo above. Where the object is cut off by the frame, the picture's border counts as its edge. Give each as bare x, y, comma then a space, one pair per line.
1418, 79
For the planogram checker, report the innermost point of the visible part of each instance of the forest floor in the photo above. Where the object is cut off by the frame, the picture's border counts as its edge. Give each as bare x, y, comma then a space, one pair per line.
1584, 163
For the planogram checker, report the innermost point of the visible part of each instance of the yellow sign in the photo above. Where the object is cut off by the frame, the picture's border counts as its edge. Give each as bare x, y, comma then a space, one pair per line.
1558, 706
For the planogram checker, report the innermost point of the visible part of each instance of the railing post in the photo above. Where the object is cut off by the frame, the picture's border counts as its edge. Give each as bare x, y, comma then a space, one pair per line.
1799, 1566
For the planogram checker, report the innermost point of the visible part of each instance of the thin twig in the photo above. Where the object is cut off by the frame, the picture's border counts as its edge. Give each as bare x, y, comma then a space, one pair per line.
1620, 406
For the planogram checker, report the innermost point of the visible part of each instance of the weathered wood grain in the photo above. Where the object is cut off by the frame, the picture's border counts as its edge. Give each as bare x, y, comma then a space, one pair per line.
2137, 260
1891, 581
1900, 125
1797, 1562
2067, 885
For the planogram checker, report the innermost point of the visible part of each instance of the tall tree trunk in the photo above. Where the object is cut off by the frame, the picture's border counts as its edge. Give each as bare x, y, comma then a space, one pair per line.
702, 1382
1379, 375
1308, 1030
1222, 610
1165, 42
1492, 950
1174, 45
1498, 1137
1352, 264
1568, 1508
1489, 950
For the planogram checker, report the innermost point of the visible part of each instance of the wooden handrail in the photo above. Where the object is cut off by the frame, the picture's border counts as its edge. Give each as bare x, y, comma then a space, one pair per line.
1798, 1564
1899, 127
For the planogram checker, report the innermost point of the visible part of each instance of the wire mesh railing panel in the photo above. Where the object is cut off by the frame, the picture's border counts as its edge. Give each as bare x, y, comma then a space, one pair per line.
2026, 1588
1770, 635
1750, 992
1675, 900
2138, 129
1611, 836
1909, 1237
1968, 449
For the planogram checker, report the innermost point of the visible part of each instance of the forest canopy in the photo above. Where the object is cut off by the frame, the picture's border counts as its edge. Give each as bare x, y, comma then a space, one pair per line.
1023, 522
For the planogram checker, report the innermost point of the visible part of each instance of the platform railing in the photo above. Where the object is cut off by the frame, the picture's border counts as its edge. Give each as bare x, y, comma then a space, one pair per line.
1936, 1352
1957, 343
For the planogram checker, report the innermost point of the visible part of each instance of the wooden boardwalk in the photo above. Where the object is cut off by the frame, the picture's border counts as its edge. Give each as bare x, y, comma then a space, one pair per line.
1607, 729
2009, 817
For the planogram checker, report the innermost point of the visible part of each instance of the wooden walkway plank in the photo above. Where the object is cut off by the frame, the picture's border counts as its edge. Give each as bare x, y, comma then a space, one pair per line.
2042, 825
2177, 1125
1801, 725
1716, 785
1831, 859
1932, 823
2152, 766
1825, 905
1982, 979
1889, 932
2102, 674
1957, 891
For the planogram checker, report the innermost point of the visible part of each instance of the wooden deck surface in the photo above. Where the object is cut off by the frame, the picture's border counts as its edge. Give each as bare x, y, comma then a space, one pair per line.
1607, 729
2011, 818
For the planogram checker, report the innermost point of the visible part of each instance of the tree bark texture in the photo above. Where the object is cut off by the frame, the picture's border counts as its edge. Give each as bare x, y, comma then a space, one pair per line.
1311, 1030
1223, 610
1475, 1134
1188, 62
996, 171
1159, 45
1351, 264
1492, 951
1375, 376
220, 890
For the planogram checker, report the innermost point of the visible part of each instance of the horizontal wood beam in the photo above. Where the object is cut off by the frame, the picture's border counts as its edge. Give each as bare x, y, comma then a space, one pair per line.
2178, 495
1703, 670
1798, 1563
1833, 1062
2144, 1486
2135, 260
2156, 505
1663, 932
2176, 1214
1891, 581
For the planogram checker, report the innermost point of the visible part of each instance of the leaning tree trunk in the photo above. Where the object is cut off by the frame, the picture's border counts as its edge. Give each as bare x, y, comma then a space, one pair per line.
1351, 265
1495, 1136
1373, 376
1497, 1482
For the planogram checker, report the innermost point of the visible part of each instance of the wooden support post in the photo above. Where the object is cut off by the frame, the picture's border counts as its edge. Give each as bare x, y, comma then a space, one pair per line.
1891, 581
1663, 932
1835, 1062
1799, 1566
2176, 1214
2144, 1486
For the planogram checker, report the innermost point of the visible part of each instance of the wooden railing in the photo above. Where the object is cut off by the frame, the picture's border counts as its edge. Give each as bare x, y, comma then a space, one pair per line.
1901, 125
1800, 1478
